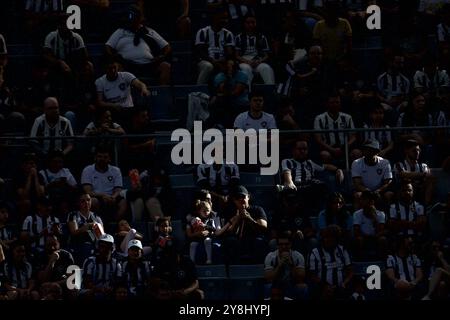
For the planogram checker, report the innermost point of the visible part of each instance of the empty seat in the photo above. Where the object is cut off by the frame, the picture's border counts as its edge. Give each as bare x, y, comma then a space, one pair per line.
178, 233
213, 280
246, 282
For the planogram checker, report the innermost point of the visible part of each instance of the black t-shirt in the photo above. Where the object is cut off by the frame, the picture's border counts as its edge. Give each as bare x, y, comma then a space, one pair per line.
59, 270
285, 221
178, 276
256, 212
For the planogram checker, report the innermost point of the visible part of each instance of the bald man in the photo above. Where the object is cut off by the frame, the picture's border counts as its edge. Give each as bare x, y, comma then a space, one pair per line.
51, 124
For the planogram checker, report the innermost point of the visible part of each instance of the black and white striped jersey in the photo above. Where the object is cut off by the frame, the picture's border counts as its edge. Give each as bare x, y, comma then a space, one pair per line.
329, 266
301, 171
404, 268
103, 275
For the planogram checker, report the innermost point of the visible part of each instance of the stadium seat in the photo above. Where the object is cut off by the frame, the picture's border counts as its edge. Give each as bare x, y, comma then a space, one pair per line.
442, 185
178, 232
246, 282
213, 281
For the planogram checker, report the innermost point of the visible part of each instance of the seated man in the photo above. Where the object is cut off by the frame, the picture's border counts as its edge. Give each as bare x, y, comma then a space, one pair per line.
368, 227
330, 267
214, 44
255, 117
51, 124
247, 226
38, 226
404, 270
332, 143
101, 272
417, 172
284, 269
103, 182
144, 51
136, 271
299, 173
406, 216
371, 173
219, 179
114, 90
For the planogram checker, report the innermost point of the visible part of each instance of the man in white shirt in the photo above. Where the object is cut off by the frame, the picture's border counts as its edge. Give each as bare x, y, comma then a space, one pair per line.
371, 173
103, 182
368, 227
255, 118
114, 89
143, 49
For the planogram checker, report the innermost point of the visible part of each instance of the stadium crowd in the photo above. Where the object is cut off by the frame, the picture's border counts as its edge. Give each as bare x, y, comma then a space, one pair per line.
84, 179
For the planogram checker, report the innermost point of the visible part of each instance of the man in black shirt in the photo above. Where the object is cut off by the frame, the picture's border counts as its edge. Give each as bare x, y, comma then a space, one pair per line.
246, 227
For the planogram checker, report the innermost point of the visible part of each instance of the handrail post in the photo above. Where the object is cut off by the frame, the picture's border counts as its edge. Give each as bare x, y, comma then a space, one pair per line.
347, 167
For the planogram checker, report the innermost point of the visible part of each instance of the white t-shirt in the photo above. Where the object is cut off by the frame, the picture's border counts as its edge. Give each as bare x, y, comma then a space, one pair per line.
117, 91
245, 121
123, 42
372, 176
49, 176
366, 224
102, 182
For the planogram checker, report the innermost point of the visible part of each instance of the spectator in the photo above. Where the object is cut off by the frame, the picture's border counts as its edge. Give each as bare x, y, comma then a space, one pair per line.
66, 54
114, 89
404, 270
176, 276
103, 182
52, 125
299, 173
7, 234
53, 263
255, 118
330, 267
231, 94
371, 173
103, 125
393, 85
368, 227
59, 183
214, 45
171, 17
143, 50
218, 179
332, 144
406, 216
245, 233
377, 121
82, 225
284, 269
430, 78
28, 184
124, 236
101, 272
443, 37
3, 55
252, 52
439, 273
38, 226
417, 172
17, 275
136, 271
140, 151
203, 228
333, 34
336, 213
163, 237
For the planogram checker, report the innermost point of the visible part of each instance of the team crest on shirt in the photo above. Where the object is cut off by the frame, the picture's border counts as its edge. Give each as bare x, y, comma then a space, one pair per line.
181, 274
122, 86
379, 171
110, 178
298, 221
264, 124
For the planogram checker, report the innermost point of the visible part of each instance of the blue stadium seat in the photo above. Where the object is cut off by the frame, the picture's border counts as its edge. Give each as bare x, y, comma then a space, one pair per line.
442, 185
270, 96
213, 281
178, 232
360, 267
160, 102
212, 271
246, 282
182, 68
255, 179
182, 180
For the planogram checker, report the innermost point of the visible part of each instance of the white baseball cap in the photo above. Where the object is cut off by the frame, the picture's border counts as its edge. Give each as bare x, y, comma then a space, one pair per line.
134, 243
107, 238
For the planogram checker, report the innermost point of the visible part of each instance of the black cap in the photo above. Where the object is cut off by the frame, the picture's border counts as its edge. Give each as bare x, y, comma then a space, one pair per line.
239, 191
